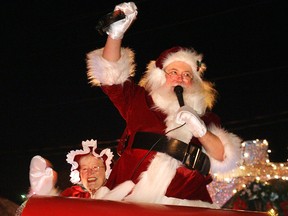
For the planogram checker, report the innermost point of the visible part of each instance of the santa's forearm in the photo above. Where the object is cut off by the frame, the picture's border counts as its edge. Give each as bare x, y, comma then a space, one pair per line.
213, 145
112, 49
231, 154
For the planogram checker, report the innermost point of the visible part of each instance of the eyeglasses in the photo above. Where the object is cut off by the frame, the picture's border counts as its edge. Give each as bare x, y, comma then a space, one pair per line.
174, 74
94, 169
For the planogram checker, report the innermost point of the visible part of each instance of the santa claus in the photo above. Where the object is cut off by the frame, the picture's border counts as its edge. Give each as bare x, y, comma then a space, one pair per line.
174, 141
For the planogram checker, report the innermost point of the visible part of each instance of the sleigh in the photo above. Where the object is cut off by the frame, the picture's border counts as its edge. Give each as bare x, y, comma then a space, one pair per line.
47, 206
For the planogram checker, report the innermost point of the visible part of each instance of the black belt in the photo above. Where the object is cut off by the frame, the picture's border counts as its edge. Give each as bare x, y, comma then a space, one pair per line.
190, 155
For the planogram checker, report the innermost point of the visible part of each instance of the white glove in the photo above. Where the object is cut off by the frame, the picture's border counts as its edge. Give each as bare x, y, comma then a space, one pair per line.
117, 29
42, 177
189, 116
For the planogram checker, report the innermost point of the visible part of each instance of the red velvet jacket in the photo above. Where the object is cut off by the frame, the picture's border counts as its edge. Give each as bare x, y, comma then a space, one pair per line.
136, 107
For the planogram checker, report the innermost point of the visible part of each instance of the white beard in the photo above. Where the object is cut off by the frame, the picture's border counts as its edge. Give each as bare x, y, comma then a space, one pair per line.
166, 100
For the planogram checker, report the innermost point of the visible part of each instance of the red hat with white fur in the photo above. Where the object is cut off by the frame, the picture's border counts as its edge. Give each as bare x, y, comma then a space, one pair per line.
155, 77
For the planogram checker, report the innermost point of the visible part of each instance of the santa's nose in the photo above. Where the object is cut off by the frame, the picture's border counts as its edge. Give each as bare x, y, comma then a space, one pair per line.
179, 78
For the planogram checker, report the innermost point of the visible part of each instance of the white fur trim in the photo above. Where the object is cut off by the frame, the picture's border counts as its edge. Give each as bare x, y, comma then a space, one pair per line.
185, 202
152, 186
153, 78
232, 151
186, 56
100, 193
119, 192
103, 72
154, 182
202, 95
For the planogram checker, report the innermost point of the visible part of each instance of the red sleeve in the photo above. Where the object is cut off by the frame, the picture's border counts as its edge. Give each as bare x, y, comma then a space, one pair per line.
122, 95
211, 118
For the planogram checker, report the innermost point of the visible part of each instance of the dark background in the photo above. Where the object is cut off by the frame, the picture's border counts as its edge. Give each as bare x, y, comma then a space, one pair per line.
48, 107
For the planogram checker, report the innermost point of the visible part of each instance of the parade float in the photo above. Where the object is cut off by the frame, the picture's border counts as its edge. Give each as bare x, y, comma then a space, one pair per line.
256, 187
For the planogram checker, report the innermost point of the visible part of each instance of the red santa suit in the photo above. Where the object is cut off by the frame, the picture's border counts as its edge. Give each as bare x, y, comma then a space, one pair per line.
151, 176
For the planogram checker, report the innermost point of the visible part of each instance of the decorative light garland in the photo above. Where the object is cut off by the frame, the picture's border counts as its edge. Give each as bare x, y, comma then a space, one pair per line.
254, 166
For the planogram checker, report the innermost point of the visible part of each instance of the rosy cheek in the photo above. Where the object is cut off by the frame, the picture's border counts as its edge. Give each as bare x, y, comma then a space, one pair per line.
187, 83
169, 81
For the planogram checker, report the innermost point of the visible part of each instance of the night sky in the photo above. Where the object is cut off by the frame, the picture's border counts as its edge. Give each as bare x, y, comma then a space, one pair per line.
48, 107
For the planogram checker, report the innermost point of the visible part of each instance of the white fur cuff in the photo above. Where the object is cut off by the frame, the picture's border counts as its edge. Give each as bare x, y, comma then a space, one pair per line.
232, 149
103, 72
120, 191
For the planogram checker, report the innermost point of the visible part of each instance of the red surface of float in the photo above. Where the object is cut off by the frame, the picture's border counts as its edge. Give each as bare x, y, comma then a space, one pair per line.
42, 206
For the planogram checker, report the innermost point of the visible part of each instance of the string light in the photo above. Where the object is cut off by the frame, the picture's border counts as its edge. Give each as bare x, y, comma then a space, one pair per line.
23, 196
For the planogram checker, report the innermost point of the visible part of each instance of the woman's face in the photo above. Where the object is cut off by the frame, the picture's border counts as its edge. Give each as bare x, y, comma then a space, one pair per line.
92, 172
178, 73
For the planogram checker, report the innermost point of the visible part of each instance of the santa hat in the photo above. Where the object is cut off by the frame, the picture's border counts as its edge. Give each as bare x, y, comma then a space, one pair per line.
89, 147
154, 76
189, 56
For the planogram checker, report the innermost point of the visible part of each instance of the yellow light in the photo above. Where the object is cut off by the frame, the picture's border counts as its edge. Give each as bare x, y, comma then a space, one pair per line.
227, 180
272, 212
